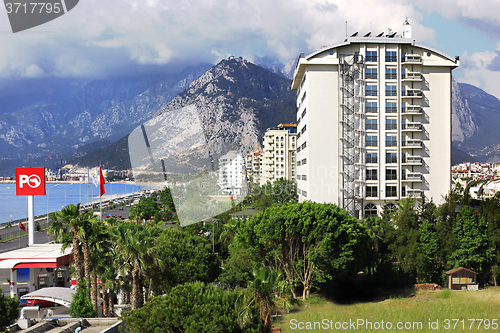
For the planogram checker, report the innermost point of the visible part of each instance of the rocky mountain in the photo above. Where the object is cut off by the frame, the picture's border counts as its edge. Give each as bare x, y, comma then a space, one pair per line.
273, 64
227, 108
231, 105
98, 110
475, 122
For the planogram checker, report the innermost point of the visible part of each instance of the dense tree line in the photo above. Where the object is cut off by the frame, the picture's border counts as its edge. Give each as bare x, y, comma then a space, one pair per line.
230, 275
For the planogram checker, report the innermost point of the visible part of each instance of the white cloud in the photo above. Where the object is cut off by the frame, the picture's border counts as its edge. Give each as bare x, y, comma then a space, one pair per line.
33, 71
481, 70
99, 38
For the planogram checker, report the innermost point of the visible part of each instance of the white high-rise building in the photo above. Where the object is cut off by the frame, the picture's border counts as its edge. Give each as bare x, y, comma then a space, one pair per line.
278, 160
231, 173
374, 122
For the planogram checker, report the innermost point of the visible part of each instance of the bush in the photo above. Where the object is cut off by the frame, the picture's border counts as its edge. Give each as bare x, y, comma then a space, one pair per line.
81, 306
189, 308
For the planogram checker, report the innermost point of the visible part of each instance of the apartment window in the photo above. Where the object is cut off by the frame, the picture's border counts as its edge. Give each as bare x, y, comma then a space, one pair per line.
370, 210
282, 145
282, 159
391, 174
304, 177
391, 107
403, 74
371, 56
304, 161
356, 56
371, 124
277, 159
282, 138
282, 152
371, 174
371, 141
391, 191
391, 90
371, 157
403, 56
391, 124
390, 56
391, 73
371, 73
299, 163
391, 158
391, 141
371, 107
371, 90
403, 191
371, 191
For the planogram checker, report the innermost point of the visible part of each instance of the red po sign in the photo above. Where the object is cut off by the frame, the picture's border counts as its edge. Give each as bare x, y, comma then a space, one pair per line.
30, 181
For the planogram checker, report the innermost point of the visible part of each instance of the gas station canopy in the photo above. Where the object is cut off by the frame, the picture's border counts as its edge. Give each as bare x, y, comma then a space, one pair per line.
36, 256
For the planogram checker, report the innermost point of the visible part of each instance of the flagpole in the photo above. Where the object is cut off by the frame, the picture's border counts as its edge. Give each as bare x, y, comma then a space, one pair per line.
88, 185
100, 192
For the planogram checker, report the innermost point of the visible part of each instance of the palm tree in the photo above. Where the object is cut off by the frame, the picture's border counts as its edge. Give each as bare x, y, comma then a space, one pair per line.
69, 218
101, 254
262, 293
137, 244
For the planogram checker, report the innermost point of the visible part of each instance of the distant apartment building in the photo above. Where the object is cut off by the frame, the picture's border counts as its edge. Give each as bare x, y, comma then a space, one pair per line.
231, 173
279, 158
253, 166
373, 122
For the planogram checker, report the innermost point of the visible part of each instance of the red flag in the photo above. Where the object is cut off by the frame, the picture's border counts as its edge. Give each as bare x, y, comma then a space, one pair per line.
21, 225
101, 181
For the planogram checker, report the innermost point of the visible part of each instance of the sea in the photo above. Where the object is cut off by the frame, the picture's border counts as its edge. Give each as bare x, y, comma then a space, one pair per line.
57, 195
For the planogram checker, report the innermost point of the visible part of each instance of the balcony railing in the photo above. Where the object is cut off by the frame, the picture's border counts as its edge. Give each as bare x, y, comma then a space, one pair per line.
414, 93
414, 192
412, 76
412, 58
412, 127
412, 160
269, 140
413, 177
412, 143
412, 109
268, 155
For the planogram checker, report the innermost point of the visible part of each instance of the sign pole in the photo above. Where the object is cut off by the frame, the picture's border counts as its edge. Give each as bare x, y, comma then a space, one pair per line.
31, 220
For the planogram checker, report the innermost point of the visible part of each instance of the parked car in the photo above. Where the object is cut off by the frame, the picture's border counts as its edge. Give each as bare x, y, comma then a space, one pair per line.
39, 302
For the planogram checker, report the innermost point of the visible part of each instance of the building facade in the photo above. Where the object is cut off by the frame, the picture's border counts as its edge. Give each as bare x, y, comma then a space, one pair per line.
231, 173
374, 122
279, 158
253, 166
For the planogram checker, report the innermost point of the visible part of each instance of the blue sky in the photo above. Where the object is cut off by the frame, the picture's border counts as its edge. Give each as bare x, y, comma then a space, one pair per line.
124, 37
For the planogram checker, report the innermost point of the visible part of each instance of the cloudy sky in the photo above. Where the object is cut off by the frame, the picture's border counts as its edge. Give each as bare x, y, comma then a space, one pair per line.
122, 37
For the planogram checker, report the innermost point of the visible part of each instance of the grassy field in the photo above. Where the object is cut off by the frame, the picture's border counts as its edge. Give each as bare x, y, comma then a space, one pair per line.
442, 311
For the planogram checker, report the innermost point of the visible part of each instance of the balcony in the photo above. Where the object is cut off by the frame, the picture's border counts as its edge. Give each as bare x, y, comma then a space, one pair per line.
412, 76
412, 160
412, 127
412, 93
412, 143
268, 155
414, 192
268, 168
269, 140
412, 109
412, 177
412, 59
